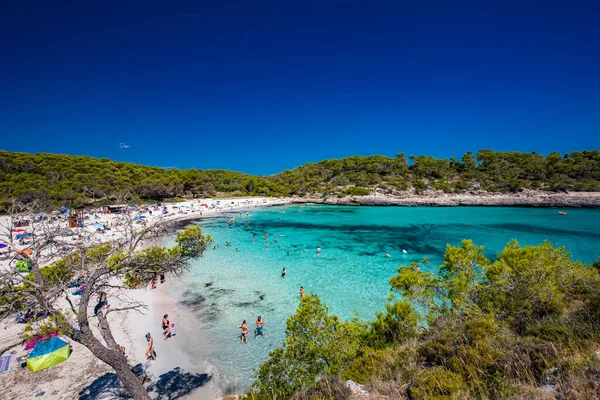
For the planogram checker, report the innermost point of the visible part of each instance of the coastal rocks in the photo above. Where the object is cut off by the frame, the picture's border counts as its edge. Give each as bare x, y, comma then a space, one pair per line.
527, 198
355, 388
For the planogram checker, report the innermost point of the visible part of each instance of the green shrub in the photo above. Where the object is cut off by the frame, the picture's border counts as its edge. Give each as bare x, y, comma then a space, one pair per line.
356, 191
438, 384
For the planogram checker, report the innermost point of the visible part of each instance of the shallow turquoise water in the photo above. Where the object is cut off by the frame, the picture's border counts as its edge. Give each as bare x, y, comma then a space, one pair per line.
351, 274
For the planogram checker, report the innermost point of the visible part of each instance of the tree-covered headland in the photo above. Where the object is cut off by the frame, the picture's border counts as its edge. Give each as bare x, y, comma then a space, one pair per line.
523, 326
78, 180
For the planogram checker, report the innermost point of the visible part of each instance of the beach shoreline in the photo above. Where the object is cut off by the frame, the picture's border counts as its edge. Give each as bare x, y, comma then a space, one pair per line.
527, 198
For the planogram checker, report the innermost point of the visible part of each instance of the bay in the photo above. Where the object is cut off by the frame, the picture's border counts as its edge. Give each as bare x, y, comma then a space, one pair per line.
242, 281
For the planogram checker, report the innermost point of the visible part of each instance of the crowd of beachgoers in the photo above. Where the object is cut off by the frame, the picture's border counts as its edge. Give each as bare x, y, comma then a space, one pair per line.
131, 330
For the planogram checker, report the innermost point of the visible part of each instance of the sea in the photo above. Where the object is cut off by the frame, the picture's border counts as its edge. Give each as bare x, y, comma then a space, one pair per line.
228, 285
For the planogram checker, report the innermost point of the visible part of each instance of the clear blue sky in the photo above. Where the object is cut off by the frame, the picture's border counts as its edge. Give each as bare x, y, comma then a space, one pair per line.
259, 86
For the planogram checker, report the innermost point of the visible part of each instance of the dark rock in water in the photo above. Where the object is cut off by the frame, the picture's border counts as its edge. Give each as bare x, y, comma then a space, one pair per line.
209, 284
193, 301
245, 304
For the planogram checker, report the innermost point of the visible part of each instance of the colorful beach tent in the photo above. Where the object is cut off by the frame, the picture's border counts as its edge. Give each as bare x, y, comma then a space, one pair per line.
48, 353
36, 339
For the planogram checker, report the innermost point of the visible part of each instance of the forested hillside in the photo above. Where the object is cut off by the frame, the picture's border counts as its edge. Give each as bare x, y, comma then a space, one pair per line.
81, 179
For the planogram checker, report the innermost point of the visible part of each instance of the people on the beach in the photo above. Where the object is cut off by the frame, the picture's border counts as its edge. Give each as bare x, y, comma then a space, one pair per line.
150, 353
301, 291
122, 350
283, 272
153, 283
166, 327
260, 323
244, 329
162, 278
102, 301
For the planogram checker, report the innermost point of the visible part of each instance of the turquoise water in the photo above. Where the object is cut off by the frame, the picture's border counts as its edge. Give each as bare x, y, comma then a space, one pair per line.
351, 274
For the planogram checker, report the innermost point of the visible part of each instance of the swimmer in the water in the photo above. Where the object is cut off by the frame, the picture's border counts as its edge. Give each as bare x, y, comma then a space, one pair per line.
283, 272
319, 250
387, 255
267, 245
301, 291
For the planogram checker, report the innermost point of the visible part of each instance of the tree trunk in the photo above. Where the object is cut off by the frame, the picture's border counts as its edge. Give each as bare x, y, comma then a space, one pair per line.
123, 370
111, 356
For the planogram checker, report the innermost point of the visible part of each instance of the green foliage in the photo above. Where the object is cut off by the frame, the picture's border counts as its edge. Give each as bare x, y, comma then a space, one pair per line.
439, 384
356, 191
383, 364
192, 242
328, 388
146, 264
398, 323
62, 179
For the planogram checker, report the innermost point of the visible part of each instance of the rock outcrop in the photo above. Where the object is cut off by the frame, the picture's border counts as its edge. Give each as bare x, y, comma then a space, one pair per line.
527, 198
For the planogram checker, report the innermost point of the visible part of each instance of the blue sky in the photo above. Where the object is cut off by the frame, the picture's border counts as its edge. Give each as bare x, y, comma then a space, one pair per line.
260, 86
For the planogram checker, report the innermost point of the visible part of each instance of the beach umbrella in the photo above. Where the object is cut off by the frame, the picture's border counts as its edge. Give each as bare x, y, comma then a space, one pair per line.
48, 353
2, 245
19, 230
26, 252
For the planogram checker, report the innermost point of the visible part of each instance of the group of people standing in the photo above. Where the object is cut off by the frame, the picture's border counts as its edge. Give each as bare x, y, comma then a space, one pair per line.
166, 327
260, 323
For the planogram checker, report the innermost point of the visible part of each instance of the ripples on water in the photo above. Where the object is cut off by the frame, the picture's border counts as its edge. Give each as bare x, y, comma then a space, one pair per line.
351, 275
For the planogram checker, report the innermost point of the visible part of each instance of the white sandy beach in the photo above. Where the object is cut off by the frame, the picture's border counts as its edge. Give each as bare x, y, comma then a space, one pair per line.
82, 374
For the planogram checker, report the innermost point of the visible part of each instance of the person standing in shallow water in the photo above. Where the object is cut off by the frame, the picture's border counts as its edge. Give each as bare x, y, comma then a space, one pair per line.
319, 250
301, 291
244, 329
283, 272
260, 323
